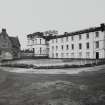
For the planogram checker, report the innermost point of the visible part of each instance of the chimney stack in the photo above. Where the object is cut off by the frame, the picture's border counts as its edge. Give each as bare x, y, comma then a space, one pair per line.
3, 30
103, 26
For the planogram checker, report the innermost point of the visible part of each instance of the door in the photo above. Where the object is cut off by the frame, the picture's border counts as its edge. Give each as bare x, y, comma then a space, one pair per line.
97, 55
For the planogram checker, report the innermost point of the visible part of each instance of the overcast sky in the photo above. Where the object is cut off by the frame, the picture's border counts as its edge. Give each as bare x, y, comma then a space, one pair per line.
21, 17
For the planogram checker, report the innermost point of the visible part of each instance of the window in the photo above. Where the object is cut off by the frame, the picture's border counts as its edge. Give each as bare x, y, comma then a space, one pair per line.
72, 46
80, 37
97, 34
80, 46
4, 45
33, 50
62, 47
52, 48
32, 41
56, 47
40, 50
67, 47
87, 35
56, 55
97, 44
87, 54
87, 45
72, 38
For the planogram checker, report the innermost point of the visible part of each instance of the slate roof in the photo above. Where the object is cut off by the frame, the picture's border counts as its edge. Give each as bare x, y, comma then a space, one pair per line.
38, 34
93, 29
15, 41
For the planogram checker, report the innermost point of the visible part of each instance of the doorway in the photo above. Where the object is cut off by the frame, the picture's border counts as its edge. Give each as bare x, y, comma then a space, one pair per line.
97, 55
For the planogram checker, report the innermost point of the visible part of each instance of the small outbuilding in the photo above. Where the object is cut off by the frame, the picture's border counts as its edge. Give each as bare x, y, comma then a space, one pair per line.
9, 46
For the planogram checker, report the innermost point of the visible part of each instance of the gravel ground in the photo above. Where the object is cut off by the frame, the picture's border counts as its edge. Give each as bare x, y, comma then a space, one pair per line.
47, 62
84, 88
53, 71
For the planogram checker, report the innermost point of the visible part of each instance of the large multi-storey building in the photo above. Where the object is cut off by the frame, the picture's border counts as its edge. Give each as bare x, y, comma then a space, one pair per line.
87, 43
38, 44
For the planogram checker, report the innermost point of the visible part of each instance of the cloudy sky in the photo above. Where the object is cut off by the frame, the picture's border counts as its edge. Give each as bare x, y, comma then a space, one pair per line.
21, 17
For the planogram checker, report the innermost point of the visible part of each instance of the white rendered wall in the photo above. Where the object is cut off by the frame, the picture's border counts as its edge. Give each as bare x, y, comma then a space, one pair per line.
59, 53
38, 45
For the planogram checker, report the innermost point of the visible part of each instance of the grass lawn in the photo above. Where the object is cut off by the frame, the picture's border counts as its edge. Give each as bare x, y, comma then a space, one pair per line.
86, 88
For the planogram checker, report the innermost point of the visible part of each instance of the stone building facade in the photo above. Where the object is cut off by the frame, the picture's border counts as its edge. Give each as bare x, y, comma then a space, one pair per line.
9, 46
38, 44
84, 44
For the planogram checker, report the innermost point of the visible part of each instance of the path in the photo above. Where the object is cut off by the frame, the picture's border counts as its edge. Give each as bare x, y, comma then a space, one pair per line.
53, 71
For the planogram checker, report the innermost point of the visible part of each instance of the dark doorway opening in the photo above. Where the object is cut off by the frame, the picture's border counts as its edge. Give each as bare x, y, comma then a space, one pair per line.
97, 55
